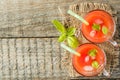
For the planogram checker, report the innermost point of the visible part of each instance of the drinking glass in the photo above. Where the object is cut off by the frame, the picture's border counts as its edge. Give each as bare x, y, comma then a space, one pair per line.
83, 64
104, 19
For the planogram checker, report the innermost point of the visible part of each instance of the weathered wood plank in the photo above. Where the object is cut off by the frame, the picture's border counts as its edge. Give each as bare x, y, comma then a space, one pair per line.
5, 59
20, 56
48, 58
28, 18
13, 59
41, 59
56, 58
26, 53
32, 18
30, 58
1, 60
33, 57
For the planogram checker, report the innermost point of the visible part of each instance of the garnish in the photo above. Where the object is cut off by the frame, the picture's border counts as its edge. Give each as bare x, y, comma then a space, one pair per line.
93, 52
71, 31
62, 37
66, 34
96, 27
59, 26
104, 30
72, 41
95, 64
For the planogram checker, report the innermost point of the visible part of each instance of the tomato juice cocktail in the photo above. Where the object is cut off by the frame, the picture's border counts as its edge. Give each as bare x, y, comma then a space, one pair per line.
92, 60
101, 26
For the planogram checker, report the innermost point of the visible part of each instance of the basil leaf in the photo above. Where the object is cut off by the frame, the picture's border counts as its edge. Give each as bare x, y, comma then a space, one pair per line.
72, 41
71, 31
104, 30
62, 37
96, 27
93, 52
59, 26
95, 64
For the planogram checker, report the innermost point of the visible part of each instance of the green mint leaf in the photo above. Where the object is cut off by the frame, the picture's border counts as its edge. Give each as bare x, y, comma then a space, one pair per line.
95, 64
71, 31
93, 52
72, 41
62, 37
96, 27
59, 26
104, 30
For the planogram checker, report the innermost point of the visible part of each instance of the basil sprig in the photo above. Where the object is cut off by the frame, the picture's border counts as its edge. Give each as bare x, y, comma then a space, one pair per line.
66, 34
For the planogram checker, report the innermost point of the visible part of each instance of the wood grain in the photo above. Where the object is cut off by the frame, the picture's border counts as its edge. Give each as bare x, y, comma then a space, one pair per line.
31, 58
27, 51
32, 18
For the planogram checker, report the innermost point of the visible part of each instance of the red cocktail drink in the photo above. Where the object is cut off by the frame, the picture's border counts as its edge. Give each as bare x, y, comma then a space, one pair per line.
91, 62
101, 26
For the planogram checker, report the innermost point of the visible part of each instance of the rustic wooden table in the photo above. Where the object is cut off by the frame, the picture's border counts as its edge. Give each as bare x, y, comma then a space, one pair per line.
28, 41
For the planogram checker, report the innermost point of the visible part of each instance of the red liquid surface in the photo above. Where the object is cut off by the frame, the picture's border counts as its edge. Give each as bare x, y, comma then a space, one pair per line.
83, 64
98, 17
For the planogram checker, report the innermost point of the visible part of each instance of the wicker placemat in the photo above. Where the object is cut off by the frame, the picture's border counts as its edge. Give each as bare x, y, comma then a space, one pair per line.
82, 9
